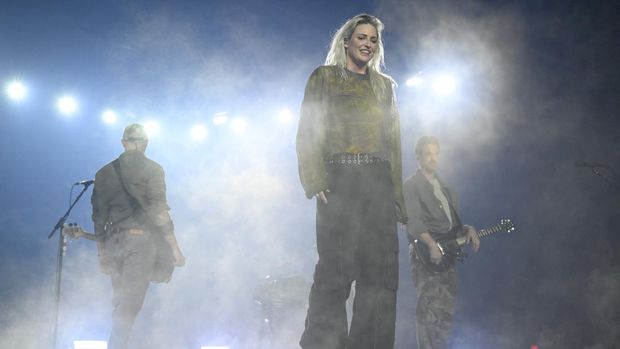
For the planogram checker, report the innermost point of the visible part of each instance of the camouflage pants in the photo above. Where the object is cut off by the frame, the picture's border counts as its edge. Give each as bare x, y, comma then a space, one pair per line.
436, 296
133, 258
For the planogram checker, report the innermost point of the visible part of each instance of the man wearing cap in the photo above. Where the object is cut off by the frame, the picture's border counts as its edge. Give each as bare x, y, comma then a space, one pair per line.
133, 230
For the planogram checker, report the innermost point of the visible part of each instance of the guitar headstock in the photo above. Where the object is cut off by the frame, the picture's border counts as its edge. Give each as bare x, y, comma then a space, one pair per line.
507, 225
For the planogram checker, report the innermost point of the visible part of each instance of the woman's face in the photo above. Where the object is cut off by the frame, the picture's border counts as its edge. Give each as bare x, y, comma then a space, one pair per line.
362, 45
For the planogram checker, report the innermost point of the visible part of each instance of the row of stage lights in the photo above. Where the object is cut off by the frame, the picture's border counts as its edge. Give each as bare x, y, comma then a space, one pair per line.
441, 85
68, 105
17, 92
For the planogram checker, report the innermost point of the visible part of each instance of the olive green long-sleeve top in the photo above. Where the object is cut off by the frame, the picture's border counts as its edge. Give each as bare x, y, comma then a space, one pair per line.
343, 115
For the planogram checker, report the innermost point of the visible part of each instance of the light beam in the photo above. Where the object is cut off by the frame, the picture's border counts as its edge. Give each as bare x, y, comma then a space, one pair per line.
415, 81
152, 128
199, 132
109, 117
67, 105
444, 85
88, 344
285, 115
16, 91
220, 119
239, 125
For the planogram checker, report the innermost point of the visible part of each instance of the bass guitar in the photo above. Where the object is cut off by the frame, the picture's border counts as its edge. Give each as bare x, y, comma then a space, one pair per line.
450, 245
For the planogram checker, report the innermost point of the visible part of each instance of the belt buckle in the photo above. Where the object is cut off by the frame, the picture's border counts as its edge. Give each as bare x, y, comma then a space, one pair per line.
134, 231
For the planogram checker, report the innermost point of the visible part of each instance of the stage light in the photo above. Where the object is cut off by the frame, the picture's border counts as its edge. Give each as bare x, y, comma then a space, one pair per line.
152, 128
444, 85
285, 115
199, 132
16, 90
109, 117
415, 81
220, 119
239, 125
90, 345
67, 105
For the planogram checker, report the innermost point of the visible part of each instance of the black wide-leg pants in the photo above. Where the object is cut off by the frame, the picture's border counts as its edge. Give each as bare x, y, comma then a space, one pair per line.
356, 240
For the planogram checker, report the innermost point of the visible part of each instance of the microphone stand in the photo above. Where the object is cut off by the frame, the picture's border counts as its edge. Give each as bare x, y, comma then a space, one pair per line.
61, 250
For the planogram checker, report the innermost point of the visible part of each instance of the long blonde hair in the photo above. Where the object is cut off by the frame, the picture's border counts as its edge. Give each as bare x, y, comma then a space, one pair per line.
337, 54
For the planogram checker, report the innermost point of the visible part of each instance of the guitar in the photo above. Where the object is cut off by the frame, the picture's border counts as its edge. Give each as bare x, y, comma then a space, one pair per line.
74, 231
450, 246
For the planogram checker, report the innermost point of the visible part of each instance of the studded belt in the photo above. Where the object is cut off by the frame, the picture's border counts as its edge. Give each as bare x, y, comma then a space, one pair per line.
134, 231
355, 159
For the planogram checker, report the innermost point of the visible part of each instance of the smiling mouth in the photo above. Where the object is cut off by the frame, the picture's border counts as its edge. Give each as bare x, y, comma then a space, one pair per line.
366, 52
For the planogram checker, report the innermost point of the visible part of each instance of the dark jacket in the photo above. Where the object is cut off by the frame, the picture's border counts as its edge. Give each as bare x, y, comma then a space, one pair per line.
144, 179
424, 210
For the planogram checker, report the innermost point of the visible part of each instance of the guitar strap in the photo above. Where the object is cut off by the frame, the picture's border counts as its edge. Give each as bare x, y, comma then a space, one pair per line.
458, 223
132, 200
164, 264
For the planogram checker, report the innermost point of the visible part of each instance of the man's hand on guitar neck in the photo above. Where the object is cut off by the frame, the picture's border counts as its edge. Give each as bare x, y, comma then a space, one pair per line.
472, 237
435, 252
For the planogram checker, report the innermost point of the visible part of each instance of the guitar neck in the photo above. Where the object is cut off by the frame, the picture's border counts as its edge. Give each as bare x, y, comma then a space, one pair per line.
490, 231
79, 233
89, 236
482, 233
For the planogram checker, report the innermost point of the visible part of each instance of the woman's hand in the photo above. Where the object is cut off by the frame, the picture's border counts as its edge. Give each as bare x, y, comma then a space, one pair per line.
322, 195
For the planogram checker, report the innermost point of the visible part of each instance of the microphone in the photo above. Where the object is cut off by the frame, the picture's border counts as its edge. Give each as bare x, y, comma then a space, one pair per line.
85, 183
581, 163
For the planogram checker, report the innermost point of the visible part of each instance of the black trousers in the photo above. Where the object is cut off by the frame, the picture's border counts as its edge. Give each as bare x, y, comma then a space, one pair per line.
356, 240
133, 257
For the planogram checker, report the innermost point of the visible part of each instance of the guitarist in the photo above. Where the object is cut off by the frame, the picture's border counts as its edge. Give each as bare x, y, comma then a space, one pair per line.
432, 210
133, 230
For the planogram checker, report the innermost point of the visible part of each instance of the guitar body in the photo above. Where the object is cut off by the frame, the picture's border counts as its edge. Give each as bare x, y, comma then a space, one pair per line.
450, 245
450, 248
